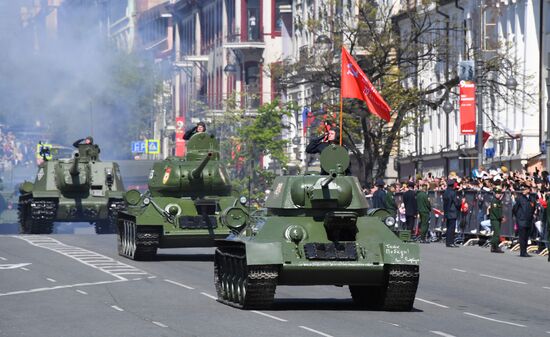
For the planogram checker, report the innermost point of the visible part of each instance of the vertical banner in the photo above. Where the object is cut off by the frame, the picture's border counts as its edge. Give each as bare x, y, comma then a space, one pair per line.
467, 107
180, 143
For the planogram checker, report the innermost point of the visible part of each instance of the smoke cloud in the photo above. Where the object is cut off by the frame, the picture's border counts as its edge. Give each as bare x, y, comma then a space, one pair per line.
71, 82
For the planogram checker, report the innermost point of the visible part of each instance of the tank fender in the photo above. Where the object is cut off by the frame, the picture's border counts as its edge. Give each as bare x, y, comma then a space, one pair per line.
400, 253
263, 253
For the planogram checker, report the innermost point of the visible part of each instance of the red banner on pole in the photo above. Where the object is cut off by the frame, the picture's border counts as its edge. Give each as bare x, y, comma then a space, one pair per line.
180, 143
467, 107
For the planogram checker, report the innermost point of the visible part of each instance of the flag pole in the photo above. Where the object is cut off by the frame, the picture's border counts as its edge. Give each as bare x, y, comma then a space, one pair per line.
341, 119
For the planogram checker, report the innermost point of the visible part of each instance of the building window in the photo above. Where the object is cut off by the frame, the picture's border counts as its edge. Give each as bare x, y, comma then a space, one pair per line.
276, 17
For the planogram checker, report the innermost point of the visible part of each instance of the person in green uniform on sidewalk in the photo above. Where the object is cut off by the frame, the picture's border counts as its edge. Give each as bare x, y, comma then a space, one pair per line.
495, 215
424, 210
390, 201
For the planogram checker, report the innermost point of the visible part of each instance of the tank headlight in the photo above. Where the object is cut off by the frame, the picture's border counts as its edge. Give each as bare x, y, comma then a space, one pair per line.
146, 201
295, 233
173, 209
389, 221
243, 200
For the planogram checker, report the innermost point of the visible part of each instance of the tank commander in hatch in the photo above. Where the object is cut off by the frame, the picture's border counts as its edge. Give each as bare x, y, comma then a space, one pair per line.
200, 127
88, 141
318, 144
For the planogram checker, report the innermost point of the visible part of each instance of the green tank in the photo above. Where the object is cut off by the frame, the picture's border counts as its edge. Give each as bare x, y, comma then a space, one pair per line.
316, 231
181, 206
78, 189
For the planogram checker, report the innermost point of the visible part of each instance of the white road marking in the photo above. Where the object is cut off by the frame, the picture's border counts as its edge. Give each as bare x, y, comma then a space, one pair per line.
51, 280
136, 279
502, 279
494, 320
543, 287
3, 258
460, 270
81, 291
433, 303
19, 292
92, 259
151, 277
159, 324
390, 323
117, 308
13, 265
180, 284
270, 316
25, 269
442, 334
315, 331
208, 295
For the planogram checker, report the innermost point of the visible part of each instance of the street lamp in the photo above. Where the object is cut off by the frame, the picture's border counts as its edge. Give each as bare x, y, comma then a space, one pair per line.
511, 84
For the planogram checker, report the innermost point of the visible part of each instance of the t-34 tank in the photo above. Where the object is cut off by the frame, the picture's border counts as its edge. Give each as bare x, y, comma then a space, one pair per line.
316, 231
78, 189
182, 205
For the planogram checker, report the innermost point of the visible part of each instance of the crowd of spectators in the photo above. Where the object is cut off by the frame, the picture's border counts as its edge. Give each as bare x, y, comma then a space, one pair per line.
14, 151
480, 187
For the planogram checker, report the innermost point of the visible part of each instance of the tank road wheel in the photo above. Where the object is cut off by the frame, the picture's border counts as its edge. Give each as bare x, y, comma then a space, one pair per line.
39, 216
25, 216
397, 293
240, 285
137, 243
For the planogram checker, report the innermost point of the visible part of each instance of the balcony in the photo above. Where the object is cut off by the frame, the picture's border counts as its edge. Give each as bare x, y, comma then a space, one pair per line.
254, 39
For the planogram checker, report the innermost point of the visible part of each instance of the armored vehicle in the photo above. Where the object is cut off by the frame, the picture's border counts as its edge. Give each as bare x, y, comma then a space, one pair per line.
316, 231
181, 206
78, 189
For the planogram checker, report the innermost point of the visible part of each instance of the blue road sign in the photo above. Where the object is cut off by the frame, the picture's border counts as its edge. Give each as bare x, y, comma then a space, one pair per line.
152, 146
138, 147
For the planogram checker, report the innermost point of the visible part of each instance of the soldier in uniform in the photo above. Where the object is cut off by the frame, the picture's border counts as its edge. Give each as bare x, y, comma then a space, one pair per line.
451, 206
390, 200
495, 215
523, 210
201, 127
424, 209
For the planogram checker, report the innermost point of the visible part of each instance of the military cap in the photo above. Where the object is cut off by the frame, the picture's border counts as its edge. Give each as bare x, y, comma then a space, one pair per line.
498, 189
379, 182
410, 183
450, 182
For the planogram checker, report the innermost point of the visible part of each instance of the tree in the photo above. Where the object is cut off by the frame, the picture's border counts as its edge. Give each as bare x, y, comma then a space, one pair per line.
393, 50
247, 138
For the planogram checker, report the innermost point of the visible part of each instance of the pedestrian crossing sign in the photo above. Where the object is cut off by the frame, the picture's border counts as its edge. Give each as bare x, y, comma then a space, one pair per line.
152, 146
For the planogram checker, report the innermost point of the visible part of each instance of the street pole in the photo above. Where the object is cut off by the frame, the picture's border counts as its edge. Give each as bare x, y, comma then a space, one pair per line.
479, 104
548, 119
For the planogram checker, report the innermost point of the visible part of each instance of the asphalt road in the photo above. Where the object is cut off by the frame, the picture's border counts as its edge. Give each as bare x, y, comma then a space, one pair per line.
76, 285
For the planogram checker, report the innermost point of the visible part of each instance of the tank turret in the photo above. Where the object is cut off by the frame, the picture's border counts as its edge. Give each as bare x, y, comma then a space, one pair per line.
199, 173
316, 230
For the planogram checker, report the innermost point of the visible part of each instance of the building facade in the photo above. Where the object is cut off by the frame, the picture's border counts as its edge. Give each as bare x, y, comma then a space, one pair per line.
515, 118
223, 49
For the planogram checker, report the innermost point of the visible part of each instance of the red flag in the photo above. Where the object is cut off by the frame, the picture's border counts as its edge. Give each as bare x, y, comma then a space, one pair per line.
355, 84
486, 136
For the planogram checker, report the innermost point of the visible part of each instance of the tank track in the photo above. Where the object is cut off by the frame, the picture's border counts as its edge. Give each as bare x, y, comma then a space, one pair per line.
240, 285
397, 293
36, 216
108, 226
135, 242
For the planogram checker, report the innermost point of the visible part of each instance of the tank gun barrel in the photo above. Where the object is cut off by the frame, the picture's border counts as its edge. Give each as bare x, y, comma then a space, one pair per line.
196, 173
74, 171
328, 180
